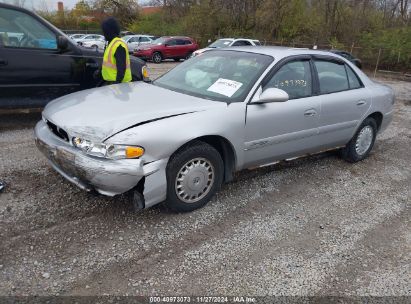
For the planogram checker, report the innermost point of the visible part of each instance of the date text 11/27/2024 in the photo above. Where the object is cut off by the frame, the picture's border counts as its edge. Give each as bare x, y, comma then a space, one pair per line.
202, 299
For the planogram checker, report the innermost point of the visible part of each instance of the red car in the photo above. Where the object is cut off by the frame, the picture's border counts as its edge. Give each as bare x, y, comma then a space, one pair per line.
167, 48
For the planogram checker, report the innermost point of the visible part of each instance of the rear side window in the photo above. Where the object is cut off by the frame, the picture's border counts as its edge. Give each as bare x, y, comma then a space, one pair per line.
353, 80
332, 77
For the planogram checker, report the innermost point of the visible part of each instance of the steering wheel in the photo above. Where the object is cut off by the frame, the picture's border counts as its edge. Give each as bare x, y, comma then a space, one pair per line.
28, 42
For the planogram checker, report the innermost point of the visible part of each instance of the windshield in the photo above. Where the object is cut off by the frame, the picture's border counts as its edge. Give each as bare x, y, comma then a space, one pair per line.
159, 41
219, 75
220, 43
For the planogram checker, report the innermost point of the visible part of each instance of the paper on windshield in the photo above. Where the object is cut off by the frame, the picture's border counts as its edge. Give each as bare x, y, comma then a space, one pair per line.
225, 87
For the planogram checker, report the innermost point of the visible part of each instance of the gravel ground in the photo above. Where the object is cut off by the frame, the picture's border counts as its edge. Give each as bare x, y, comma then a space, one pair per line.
314, 226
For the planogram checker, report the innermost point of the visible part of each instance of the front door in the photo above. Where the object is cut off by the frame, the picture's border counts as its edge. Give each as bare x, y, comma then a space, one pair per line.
281, 130
33, 70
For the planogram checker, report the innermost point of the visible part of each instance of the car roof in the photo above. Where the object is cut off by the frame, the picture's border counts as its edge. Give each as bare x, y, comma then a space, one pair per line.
278, 52
176, 37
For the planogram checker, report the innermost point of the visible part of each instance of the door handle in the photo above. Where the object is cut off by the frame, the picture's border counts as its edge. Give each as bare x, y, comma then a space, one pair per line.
361, 102
3, 62
310, 113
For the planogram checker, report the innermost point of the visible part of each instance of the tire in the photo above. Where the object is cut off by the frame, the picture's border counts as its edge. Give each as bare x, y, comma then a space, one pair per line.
189, 167
188, 56
360, 146
157, 57
177, 59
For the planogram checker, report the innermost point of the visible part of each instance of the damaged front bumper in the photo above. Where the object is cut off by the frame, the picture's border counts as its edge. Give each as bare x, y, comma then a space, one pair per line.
106, 176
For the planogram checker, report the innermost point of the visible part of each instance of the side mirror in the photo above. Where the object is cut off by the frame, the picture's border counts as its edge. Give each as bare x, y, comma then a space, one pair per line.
272, 95
62, 43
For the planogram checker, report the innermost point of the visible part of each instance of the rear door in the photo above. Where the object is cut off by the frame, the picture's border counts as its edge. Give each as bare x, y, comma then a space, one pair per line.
33, 70
344, 101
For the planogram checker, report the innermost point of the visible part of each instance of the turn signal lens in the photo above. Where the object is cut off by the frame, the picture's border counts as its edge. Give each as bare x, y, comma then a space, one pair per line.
134, 152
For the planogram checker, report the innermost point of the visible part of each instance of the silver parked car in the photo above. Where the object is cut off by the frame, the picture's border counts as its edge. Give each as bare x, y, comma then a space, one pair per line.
178, 139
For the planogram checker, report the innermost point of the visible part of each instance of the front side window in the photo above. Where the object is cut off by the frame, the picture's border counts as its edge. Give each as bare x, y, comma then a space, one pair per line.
293, 77
219, 75
144, 39
332, 76
20, 30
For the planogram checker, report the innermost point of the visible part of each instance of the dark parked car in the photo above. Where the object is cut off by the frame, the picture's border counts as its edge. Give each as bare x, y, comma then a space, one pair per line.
39, 63
167, 48
349, 57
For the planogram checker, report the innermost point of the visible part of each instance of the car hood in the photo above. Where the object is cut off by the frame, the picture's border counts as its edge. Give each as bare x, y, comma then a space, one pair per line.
97, 114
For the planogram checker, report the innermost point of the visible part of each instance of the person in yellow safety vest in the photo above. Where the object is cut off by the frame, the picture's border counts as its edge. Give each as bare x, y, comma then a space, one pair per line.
116, 60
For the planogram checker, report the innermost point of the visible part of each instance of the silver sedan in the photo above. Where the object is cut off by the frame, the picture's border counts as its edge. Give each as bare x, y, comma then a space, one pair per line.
178, 139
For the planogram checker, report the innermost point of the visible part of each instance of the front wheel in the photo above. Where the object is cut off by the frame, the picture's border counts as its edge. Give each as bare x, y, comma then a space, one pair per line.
157, 58
360, 146
194, 175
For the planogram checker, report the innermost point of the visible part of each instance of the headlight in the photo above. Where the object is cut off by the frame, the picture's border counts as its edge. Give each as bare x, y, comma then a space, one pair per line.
107, 150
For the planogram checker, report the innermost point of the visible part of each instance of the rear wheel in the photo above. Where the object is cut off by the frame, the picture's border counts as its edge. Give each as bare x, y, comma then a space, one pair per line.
362, 143
194, 175
157, 57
